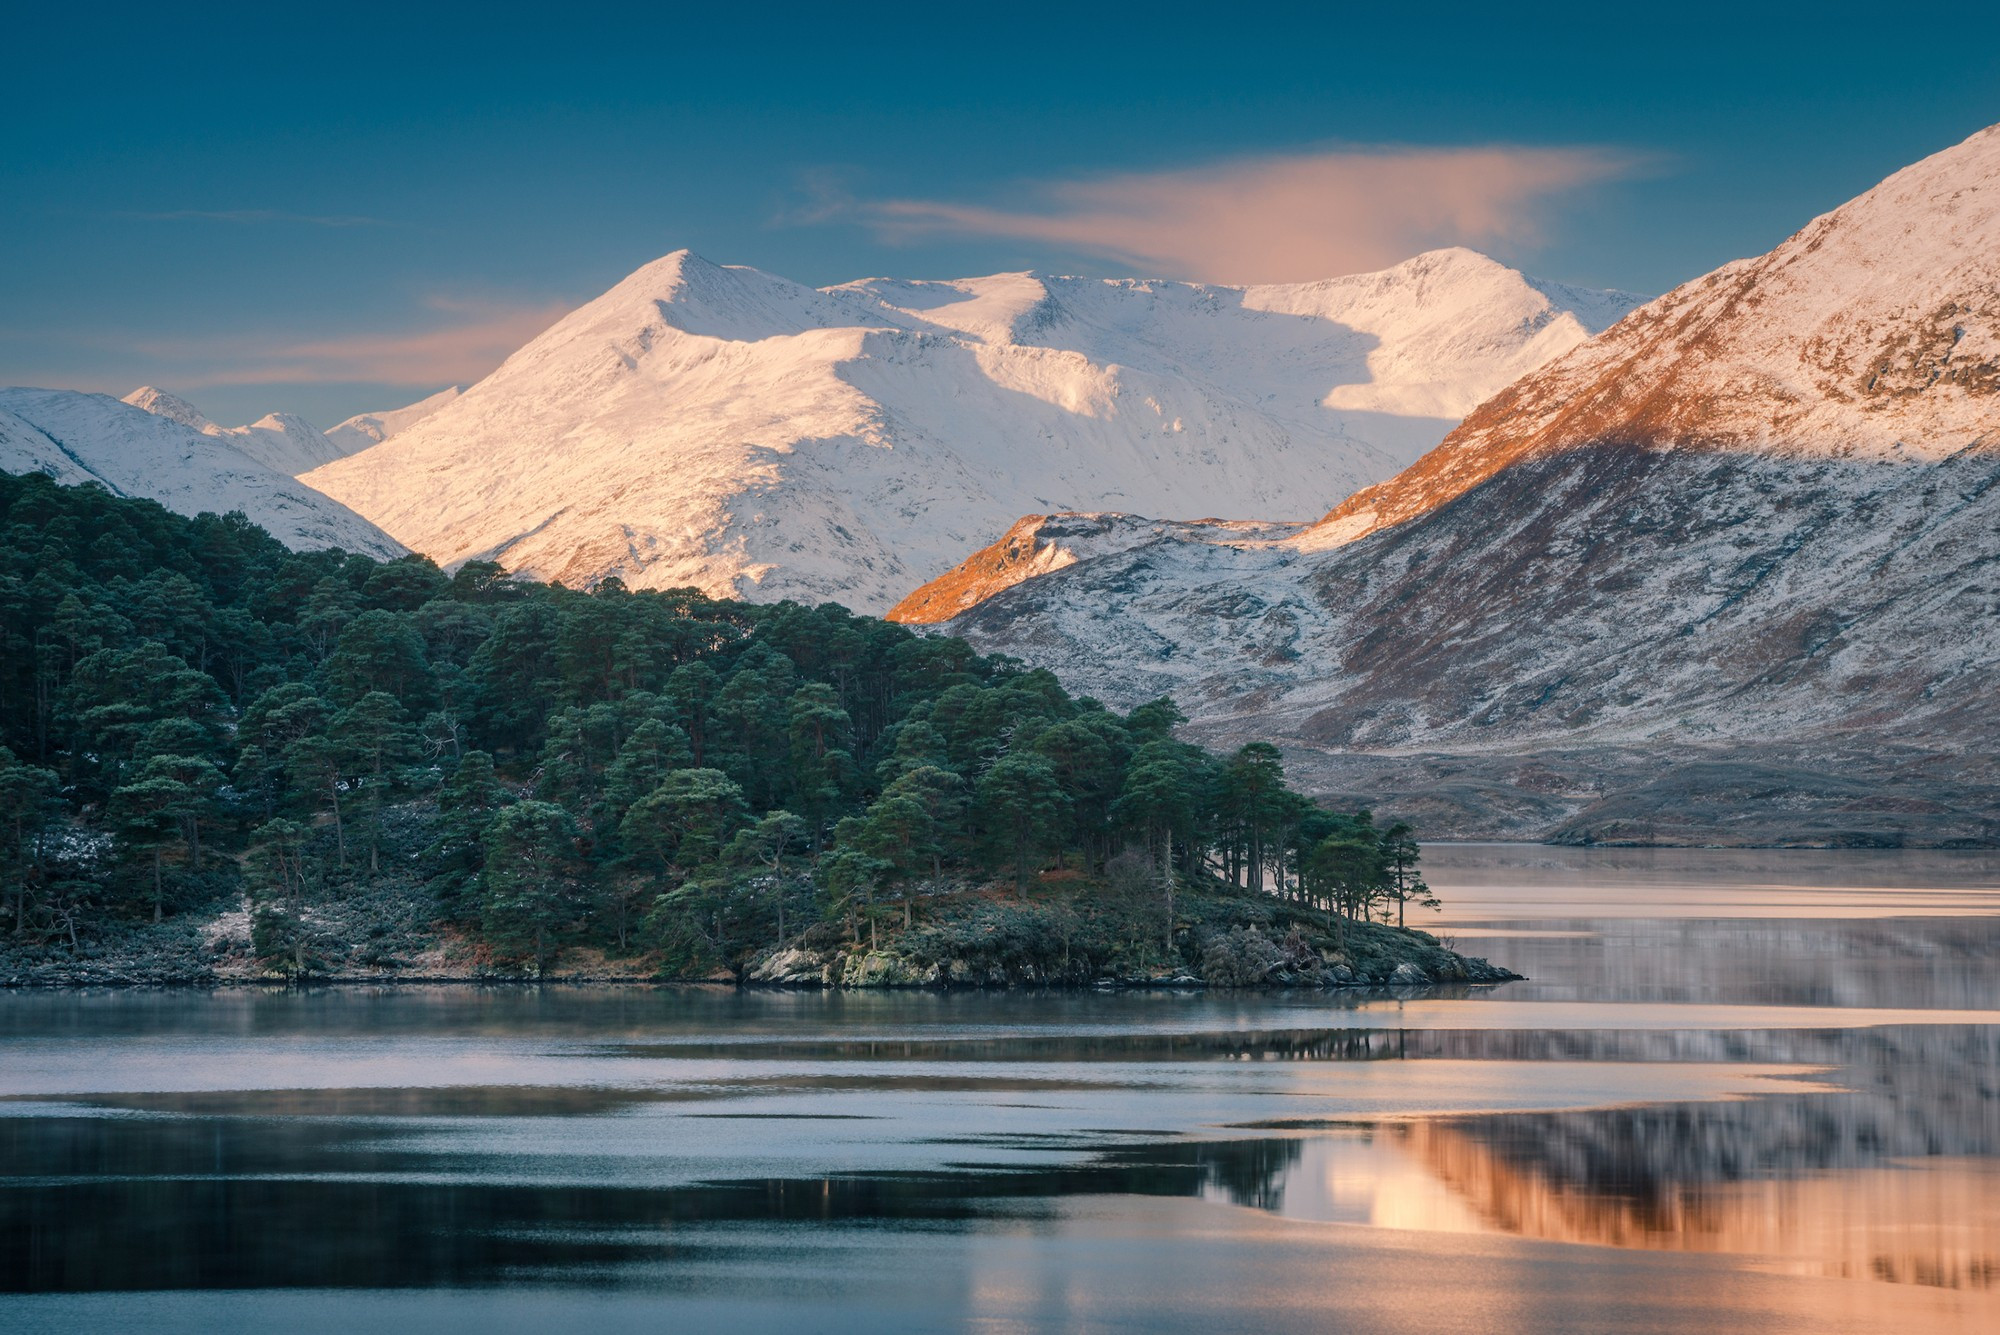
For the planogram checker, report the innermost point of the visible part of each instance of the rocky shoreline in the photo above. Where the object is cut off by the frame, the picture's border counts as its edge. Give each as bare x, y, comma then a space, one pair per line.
1426, 962
215, 952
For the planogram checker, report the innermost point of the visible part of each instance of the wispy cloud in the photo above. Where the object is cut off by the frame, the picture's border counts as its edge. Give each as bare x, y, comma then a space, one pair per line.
1279, 218
253, 216
457, 342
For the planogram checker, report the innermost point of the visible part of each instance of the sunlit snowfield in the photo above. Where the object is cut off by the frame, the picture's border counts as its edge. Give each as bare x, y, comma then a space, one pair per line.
1741, 1091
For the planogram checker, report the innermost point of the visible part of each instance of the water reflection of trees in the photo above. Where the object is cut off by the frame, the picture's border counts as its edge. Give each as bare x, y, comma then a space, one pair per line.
124, 1203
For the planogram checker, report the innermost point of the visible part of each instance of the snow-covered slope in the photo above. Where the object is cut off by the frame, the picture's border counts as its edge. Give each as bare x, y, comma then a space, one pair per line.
729, 429
172, 407
1873, 333
282, 441
133, 452
362, 430
1764, 509
1042, 544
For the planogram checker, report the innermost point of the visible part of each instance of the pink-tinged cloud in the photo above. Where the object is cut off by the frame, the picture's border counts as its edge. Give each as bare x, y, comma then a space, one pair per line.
466, 341
1280, 219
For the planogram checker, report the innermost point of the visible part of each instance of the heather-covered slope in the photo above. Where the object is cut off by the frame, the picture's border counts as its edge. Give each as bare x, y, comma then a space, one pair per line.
728, 429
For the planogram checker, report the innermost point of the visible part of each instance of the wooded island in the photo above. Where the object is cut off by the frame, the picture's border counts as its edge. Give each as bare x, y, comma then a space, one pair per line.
223, 758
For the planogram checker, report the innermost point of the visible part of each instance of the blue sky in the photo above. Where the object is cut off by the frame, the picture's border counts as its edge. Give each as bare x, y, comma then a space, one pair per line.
341, 209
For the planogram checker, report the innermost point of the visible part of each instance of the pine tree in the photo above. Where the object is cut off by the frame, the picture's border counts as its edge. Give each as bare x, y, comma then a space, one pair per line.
28, 806
529, 882
377, 741
1021, 799
684, 822
468, 801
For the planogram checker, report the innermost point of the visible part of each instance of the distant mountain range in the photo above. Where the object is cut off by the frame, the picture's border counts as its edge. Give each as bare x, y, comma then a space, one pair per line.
173, 455
287, 443
729, 429
159, 446
1721, 565
1754, 526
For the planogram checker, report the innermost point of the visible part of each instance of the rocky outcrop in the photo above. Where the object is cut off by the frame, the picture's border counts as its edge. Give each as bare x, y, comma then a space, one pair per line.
1042, 544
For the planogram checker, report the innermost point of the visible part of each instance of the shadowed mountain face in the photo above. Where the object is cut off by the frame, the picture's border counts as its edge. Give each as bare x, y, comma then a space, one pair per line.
1734, 609
1745, 537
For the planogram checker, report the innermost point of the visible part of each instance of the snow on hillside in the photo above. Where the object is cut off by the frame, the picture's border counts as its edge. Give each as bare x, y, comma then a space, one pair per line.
1764, 507
362, 430
277, 440
172, 407
1874, 332
1600, 596
132, 452
1042, 544
726, 428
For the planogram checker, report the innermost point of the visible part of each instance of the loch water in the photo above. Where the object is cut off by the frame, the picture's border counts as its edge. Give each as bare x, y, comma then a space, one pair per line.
1738, 1091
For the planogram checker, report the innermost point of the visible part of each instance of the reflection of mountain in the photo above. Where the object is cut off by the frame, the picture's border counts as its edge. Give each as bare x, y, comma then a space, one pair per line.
1936, 1224
1897, 1181
1942, 963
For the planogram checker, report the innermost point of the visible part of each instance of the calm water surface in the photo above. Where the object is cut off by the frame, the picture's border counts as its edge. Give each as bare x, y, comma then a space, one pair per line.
1741, 1091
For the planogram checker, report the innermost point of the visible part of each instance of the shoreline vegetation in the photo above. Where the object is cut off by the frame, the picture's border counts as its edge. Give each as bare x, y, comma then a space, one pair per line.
224, 761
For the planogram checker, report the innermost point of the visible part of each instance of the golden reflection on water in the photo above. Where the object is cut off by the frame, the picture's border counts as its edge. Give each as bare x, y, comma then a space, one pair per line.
1930, 1222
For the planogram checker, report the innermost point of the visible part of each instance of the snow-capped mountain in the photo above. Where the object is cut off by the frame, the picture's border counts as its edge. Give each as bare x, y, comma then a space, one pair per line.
282, 441
159, 454
362, 430
1874, 333
172, 407
729, 429
1761, 512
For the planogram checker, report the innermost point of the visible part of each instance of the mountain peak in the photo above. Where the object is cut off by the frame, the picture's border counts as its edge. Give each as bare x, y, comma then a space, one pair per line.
158, 402
728, 428
135, 448
289, 423
1872, 332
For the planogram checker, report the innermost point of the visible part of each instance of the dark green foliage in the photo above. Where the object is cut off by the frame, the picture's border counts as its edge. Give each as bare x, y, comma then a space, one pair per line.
685, 822
530, 881
190, 713
1023, 806
29, 805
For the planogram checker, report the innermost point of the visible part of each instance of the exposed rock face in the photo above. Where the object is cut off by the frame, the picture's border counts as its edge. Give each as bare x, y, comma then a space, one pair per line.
1755, 525
1041, 544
